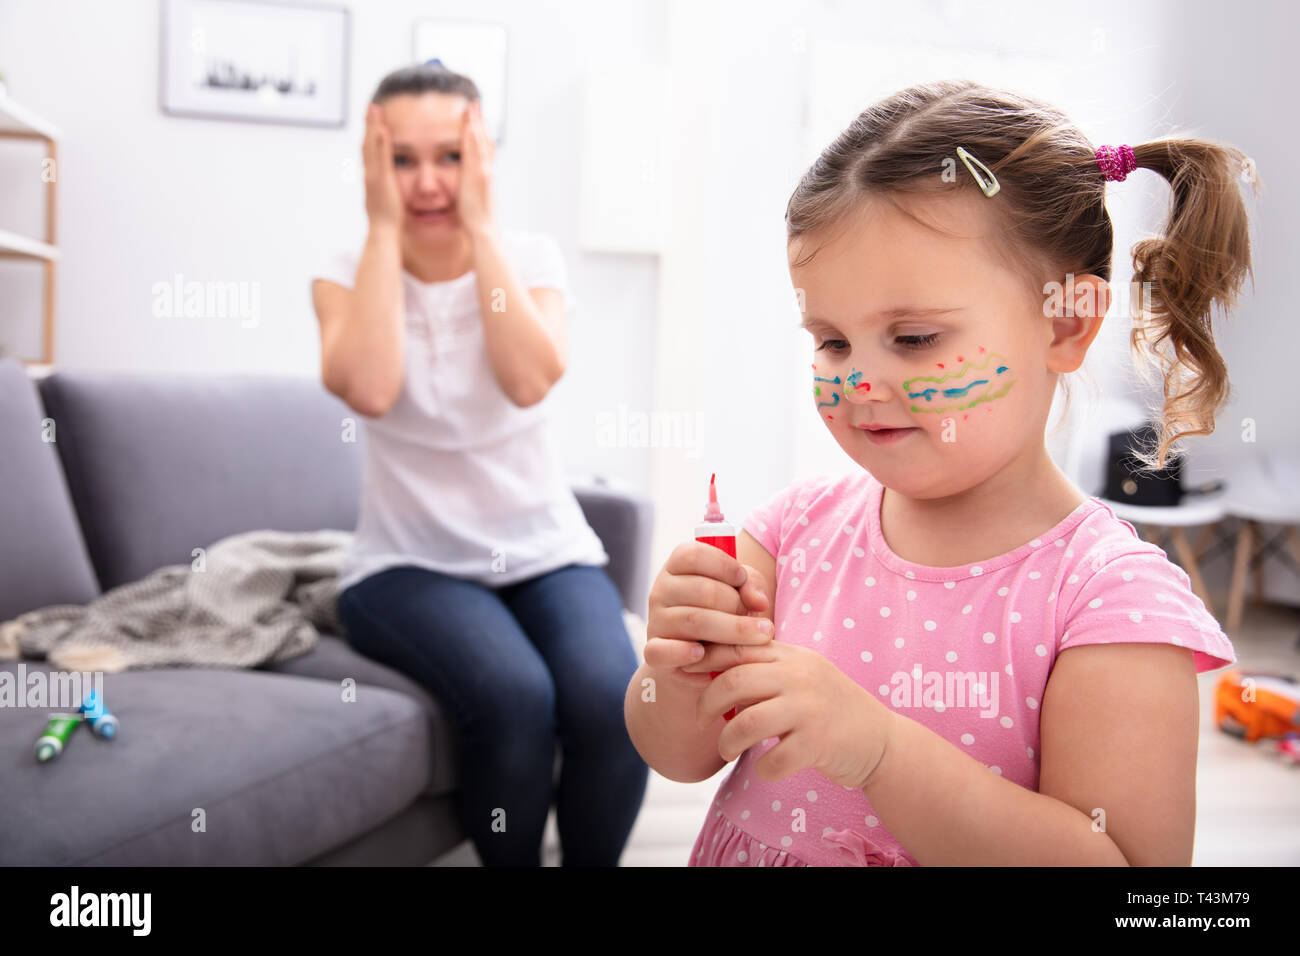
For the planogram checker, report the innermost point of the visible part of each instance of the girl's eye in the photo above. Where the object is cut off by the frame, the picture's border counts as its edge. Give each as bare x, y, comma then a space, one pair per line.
918, 341
401, 160
910, 341
454, 157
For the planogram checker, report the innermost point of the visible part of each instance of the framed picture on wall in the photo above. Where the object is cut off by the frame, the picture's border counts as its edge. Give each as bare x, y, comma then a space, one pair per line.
473, 48
256, 60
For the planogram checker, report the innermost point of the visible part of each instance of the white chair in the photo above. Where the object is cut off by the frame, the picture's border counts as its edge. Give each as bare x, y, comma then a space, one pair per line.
1262, 491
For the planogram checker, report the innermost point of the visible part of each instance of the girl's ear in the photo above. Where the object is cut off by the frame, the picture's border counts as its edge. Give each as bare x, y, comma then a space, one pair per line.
1077, 321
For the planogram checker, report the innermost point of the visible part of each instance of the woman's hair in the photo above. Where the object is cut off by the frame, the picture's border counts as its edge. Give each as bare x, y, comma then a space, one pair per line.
430, 77
1051, 219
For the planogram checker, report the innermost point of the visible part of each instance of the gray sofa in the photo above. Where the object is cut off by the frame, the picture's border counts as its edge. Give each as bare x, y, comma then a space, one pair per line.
143, 469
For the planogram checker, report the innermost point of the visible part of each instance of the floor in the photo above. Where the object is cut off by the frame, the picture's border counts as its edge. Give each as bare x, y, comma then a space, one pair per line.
1248, 800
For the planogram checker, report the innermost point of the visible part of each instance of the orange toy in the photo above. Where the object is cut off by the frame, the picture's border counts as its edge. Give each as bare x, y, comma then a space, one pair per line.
1257, 705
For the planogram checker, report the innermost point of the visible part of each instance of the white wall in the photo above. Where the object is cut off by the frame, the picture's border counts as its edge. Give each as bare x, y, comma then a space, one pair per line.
725, 329
1231, 81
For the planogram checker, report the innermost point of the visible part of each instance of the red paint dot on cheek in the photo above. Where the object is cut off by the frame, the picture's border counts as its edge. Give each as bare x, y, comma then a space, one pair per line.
960, 359
940, 364
830, 418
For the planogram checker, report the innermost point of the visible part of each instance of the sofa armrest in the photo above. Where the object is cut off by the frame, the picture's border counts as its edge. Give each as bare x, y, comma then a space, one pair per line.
623, 520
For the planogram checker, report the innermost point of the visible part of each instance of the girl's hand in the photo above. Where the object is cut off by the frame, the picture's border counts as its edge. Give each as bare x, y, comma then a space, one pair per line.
826, 722
477, 153
383, 197
702, 594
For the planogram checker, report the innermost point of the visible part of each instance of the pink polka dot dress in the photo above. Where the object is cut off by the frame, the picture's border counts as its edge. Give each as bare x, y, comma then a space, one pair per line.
966, 651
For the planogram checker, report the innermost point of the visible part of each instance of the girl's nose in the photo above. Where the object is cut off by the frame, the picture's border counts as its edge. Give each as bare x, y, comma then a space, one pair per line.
830, 385
857, 388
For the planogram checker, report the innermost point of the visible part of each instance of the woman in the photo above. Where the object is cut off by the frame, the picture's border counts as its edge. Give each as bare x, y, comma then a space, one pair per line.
473, 569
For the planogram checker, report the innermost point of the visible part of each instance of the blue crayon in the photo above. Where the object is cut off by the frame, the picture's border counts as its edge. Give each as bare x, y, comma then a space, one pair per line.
101, 721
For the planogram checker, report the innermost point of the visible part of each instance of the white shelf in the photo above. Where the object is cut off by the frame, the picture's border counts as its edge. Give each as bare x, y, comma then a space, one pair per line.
19, 119
18, 122
12, 242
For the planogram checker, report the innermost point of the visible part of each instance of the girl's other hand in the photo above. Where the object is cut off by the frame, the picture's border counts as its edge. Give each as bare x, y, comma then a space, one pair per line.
824, 719
383, 197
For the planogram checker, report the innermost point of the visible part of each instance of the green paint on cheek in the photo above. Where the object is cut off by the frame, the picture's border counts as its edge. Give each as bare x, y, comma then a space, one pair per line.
987, 381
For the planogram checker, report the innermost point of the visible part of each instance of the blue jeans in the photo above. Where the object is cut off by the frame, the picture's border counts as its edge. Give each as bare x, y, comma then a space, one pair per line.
517, 668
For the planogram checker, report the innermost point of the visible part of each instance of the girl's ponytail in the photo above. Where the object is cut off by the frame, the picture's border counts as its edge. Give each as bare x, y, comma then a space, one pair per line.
1202, 259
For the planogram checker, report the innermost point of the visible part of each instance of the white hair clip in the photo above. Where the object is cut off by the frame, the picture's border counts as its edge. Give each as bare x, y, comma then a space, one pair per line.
989, 187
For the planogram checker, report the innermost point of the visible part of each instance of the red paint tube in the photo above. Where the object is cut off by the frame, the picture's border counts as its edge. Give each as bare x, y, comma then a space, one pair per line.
715, 530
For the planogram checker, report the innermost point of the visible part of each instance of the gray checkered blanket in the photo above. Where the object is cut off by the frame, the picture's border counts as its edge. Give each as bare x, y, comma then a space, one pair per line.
256, 598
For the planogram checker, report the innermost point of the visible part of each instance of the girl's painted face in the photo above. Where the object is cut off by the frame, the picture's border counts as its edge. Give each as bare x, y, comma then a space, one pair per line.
426, 132
926, 336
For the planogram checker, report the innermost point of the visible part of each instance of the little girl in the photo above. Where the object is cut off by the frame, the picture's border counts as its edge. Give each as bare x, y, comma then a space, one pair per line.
973, 662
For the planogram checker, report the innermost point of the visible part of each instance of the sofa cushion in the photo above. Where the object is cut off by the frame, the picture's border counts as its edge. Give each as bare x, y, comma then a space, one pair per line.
43, 559
333, 659
159, 465
283, 768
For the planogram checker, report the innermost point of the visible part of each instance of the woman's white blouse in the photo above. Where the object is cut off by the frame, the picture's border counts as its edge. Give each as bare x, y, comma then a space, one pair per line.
457, 478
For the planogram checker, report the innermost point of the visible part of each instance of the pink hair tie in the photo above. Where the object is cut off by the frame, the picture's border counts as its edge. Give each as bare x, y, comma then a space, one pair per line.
1116, 162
